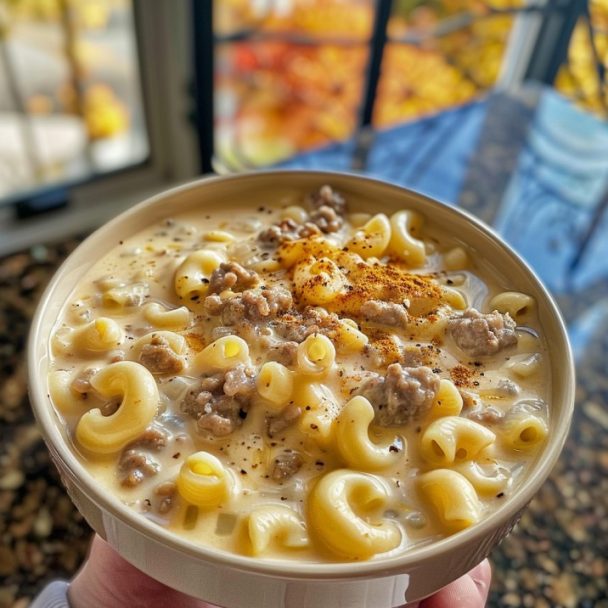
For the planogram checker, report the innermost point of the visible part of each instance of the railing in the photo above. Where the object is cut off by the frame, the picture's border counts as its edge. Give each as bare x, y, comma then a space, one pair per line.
546, 55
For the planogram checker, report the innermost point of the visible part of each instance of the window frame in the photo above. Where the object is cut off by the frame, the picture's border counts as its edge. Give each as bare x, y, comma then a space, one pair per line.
166, 80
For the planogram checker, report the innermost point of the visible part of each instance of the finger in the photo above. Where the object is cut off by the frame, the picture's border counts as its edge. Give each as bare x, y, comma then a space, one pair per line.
469, 591
108, 579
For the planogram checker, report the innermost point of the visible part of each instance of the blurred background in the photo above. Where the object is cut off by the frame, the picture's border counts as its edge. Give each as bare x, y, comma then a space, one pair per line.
498, 106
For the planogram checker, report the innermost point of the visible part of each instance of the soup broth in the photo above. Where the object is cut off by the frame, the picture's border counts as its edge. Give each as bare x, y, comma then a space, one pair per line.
301, 380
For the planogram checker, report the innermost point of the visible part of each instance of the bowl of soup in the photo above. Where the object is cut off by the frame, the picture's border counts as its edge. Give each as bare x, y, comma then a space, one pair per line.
300, 388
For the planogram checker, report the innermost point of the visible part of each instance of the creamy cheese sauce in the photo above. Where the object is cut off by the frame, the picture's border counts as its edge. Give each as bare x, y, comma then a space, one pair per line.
142, 270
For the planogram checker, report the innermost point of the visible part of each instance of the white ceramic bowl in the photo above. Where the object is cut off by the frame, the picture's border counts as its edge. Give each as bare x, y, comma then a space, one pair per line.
236, 581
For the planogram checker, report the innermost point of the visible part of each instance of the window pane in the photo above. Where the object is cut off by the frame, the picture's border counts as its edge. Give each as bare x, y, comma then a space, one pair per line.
442, 53
70, 100
294, 79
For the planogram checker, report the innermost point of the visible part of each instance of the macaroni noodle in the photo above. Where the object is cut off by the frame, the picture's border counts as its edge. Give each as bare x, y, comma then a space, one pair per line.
137, 388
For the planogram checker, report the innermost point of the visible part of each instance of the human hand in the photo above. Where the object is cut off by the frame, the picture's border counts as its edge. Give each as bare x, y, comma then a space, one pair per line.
106, 580
468, 591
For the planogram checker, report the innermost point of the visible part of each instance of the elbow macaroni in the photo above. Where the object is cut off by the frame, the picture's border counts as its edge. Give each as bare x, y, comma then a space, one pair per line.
171, 319
275, 523
316, 355
488, 479
349, 338
319, 409
137, 388
456, 259
351, 434
372, 239
193, 274
453, 298
296, 213
447, 403
452, 438
223, 354
61, 393
512, 302
318, 281
523, 432
275, 383
98, 336
405, 226
453, 498
203, 481
341, 514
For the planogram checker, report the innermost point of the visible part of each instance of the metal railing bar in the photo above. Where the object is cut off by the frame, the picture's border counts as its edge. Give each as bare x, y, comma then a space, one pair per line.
256, 35
465, 19
364, 134
444, 28
593, 226
202, 33
551, 46
599, 65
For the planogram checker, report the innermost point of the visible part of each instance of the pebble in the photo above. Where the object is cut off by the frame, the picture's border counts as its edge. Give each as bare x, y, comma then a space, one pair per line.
7, 595
11, 480
8, 563
597, 413
511, 599
43, 524
563, 592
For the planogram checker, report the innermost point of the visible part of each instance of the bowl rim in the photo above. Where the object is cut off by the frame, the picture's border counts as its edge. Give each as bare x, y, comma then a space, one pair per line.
108, 503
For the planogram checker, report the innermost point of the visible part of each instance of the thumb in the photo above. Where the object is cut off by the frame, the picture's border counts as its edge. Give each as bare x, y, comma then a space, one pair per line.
469, 591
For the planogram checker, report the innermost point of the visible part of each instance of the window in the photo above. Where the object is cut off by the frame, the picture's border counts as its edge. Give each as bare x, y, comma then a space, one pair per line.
70, 96
115, 80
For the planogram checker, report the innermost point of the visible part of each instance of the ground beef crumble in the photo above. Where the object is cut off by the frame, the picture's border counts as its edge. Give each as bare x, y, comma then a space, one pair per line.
288, 416
252, 304
287, 230
160, 358
231, 275
386, 313
404, 394
297, 326
82, 383
327, 220
328, 197
136, 462
481, 334
485, 414
165, 494
281, 352
219, 404
285, 465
